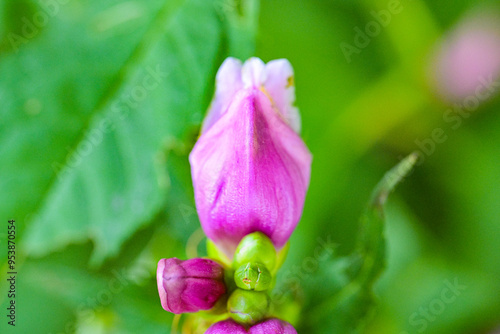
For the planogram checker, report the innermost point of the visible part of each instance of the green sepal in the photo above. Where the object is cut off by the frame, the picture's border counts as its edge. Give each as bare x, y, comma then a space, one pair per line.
248, 307
255, 247
215, 253
253, 276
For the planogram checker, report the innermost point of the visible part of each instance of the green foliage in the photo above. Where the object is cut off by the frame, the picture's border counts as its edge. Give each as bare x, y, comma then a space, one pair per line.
97, 164
345, 304
97, 100
95, 171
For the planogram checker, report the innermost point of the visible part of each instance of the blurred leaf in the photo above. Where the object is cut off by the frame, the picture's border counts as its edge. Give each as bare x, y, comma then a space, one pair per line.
345, 304
424, 277
60, 295
88, 125
49, 290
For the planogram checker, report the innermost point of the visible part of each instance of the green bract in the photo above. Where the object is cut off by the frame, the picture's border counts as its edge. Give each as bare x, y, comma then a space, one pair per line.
215, 253
253, 276
255, 247
248, 307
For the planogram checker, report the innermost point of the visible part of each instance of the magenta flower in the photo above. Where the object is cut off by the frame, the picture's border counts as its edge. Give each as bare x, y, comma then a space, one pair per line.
274, 326
250, 168
468, 61
226, 327
189, 286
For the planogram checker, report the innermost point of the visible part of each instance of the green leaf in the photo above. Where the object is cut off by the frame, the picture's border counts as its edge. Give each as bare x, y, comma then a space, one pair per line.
60, 294
48, 292
340, 293
92, 98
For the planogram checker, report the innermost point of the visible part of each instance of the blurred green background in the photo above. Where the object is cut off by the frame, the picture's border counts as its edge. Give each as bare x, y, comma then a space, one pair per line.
101, 102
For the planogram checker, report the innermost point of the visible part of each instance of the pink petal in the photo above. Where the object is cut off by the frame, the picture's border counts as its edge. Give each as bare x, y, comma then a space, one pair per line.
280, 85
271, 326
189, 286
228, 83
250, 172
253, 73
468, 58
226, 327
274, 326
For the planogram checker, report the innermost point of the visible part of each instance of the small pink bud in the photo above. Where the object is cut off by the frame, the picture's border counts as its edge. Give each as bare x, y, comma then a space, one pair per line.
250, 168
226, 327
189, 286
274, 326
467, 62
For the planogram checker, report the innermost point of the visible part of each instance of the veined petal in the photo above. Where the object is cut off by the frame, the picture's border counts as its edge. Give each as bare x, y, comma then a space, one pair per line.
280, 85
253, 73
250, 172
276, 79
226, 327
227, 84
272, 326
189, 286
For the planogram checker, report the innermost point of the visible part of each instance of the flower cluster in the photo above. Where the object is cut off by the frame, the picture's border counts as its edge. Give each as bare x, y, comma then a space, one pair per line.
250, 172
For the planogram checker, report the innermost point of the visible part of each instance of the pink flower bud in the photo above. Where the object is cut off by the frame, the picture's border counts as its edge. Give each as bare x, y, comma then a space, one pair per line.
274, 326
226, 327
250, 168
189, 286
467, 62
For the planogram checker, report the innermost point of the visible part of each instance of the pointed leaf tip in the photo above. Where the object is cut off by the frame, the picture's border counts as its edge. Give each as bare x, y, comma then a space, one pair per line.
391, 179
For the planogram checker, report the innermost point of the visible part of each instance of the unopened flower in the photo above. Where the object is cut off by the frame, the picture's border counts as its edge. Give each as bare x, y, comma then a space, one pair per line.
248, 307
274, 326
250, 168
189, 286
467, 62
255, 247
253, 276
226, 327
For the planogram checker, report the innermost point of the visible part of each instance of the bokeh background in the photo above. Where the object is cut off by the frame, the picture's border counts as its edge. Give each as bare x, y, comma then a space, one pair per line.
101, 102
